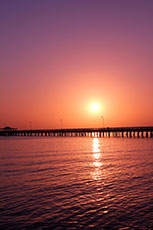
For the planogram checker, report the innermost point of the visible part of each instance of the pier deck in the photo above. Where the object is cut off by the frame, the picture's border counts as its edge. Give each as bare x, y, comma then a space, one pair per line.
145, 131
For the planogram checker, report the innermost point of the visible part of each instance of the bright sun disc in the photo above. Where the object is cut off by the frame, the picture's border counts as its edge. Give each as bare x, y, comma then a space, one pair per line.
95, 107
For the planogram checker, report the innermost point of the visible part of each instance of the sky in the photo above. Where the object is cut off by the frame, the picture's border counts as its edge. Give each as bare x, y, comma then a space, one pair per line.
60, 57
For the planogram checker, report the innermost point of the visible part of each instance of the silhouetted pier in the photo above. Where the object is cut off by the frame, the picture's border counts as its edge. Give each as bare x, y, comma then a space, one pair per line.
84, 132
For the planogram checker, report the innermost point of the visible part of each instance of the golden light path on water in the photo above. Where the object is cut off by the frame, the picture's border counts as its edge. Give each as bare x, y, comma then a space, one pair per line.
96, 159
98, 174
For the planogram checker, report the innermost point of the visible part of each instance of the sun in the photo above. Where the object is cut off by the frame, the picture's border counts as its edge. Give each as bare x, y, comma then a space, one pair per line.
94, 107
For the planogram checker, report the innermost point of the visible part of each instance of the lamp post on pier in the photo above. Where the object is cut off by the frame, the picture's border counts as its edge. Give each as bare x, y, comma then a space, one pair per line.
30, 122
61, 123
103, 120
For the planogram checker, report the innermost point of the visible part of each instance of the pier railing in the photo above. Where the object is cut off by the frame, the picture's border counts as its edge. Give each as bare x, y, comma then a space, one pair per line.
144, 131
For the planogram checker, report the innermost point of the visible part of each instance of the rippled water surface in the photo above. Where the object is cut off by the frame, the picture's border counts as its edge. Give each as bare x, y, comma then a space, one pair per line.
76, 183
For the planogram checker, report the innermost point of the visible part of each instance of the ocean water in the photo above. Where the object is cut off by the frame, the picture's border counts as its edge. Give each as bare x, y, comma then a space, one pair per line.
76, 183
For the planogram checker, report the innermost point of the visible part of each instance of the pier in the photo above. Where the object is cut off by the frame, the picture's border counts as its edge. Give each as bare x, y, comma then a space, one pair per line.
128, 132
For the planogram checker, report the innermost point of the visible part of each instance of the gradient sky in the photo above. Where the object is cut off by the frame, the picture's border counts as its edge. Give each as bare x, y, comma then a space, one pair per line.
58, 57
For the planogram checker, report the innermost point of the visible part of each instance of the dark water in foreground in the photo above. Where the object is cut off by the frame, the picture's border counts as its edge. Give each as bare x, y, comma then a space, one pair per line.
76, 183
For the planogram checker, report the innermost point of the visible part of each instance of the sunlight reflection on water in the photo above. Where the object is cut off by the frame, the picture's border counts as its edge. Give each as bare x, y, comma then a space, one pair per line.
96, 174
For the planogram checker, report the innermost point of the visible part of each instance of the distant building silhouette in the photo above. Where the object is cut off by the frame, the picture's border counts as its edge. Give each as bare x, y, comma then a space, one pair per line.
7, 128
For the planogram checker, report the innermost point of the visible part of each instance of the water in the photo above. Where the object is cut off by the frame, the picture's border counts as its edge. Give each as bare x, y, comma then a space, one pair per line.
76, 183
